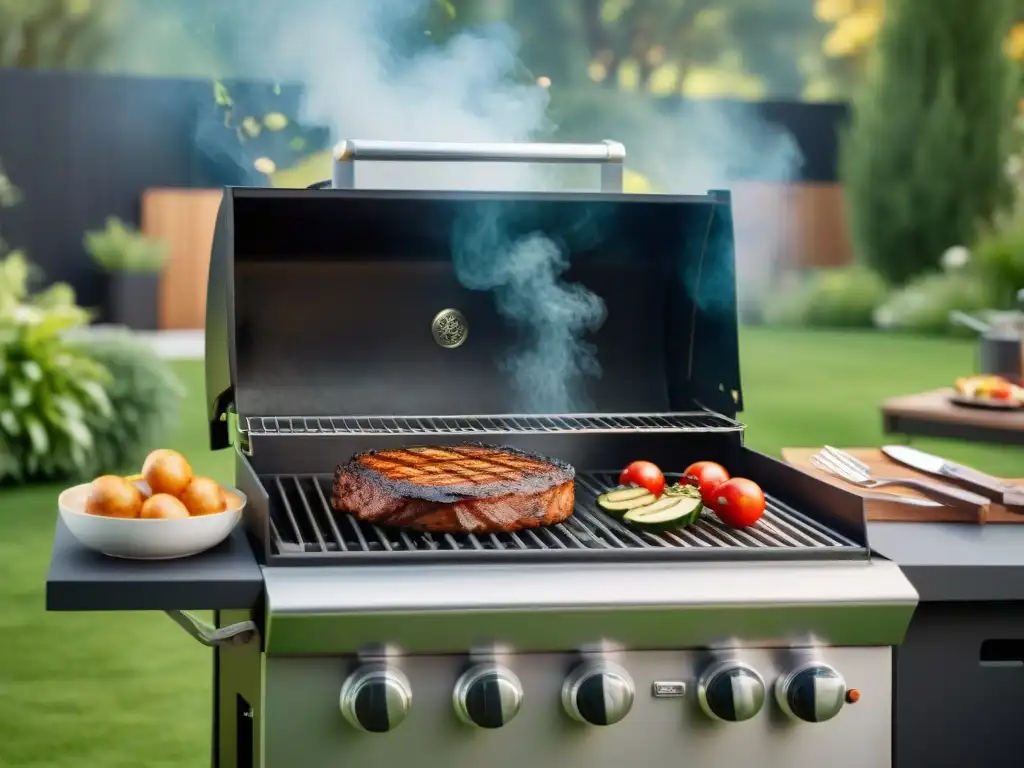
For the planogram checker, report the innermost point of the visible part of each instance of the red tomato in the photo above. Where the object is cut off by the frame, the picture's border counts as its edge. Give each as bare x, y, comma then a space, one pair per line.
738, 502
707, 476
646, 475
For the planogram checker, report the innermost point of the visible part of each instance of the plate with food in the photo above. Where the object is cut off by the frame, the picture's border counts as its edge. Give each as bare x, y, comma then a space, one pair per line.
164, 512
992, 392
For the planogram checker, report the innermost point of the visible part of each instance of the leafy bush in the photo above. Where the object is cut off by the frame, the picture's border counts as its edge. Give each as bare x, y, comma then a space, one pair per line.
145, 396
842, 297
923, 162
48, 386
72, 409
121, 248
924, 304
998, 258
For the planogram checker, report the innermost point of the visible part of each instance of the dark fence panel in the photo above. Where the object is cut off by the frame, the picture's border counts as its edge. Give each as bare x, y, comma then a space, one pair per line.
814, 128
83, 147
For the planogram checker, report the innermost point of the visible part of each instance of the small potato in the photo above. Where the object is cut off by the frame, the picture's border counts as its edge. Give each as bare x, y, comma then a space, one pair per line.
232, 500
167, 472
162, 506
112, 496
203, 496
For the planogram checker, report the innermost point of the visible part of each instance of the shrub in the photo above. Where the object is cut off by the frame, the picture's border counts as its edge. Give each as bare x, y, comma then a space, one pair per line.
145, 396
924, 304
843, 297
121, 248
923, 162
998, 258
48, 386
72, 409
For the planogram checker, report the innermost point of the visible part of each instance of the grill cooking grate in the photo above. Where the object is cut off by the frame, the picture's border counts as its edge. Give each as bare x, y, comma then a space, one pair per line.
698, 421
303, 527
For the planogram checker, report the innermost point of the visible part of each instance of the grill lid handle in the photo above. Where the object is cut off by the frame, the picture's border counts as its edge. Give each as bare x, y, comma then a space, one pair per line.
610, 155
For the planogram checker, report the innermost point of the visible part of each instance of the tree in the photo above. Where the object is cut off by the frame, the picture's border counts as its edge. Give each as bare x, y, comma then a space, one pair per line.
743, 47
57, 34
852, 31
923, 162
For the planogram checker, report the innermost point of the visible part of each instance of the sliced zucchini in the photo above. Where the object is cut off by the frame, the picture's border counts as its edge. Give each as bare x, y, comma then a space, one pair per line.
623, 499
669, 512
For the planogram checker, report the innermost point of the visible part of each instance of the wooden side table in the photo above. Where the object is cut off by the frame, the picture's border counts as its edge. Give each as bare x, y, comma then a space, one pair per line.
931, 414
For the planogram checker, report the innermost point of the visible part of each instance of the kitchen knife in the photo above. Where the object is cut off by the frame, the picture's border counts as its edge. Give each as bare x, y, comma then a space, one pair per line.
988, 486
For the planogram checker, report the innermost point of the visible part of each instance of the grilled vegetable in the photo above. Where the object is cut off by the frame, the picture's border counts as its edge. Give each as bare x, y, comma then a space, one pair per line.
624, 499
738, 502
673, 510
705, 475
644, 474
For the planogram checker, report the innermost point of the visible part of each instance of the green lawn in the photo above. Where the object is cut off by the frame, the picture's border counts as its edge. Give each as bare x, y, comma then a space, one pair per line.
126, 691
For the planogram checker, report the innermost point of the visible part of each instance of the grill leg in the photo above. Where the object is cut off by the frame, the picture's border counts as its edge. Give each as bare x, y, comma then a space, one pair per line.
215, 736
237, 694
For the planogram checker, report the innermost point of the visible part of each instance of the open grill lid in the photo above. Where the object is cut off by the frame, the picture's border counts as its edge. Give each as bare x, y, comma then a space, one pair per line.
331, 302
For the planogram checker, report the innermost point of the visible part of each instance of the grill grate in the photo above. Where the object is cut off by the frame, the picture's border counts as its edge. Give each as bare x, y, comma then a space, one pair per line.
698, 421
303, 527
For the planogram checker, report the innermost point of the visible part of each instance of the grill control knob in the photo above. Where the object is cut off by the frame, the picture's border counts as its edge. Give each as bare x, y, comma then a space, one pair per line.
598, 693
812, 692
731, 692
487, 696
376, 699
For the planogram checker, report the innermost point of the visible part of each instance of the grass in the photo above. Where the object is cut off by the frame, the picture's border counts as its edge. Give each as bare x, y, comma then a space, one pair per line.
130, 690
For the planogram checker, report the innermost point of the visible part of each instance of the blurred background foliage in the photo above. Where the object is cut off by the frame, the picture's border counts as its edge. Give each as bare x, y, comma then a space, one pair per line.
619, 54
785, 49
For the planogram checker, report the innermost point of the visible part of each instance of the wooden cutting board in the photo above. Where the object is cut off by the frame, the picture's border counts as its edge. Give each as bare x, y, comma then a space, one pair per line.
895, 510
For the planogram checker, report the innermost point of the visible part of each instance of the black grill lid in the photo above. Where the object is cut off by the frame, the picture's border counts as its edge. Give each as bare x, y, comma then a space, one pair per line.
344, 302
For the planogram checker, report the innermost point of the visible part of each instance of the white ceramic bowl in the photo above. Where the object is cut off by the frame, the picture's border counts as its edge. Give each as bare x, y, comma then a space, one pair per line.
136, 539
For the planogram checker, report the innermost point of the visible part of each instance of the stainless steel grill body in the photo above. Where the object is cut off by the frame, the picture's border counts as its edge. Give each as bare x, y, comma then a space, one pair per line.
608, 645
297, 710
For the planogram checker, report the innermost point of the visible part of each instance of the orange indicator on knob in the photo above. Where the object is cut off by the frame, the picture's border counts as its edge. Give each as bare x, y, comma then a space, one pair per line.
852, 696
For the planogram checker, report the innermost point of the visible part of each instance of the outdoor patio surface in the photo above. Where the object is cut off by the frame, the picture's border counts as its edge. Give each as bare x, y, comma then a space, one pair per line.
131, 690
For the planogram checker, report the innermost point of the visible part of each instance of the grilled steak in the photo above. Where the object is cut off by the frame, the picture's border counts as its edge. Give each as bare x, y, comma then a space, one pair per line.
466, 488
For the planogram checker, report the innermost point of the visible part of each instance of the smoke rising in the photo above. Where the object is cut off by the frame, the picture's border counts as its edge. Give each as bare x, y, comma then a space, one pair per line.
525, 277
364, 80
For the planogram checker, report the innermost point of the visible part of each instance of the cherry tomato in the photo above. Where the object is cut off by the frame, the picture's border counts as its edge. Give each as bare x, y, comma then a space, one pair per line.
738, 502
707, 476
644, 474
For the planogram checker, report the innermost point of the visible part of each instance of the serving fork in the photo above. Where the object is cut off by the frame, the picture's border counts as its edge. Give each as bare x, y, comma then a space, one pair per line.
846, 467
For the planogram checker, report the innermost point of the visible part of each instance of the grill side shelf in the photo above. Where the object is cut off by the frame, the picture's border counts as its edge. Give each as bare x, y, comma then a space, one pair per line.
303, 529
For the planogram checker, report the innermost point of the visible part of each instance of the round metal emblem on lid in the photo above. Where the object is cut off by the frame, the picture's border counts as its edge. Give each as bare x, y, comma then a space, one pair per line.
450, 328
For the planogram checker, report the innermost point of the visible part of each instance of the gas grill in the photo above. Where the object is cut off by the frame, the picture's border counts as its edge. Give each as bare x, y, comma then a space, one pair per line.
342, 320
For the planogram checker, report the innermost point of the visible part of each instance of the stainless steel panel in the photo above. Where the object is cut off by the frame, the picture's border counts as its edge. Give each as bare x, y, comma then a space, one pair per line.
447, 608
305, 726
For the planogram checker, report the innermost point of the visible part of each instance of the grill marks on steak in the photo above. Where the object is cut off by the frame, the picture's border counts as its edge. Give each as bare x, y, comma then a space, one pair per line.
466, 488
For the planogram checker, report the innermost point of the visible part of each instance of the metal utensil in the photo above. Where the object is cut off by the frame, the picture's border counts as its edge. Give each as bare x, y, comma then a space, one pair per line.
991, 487
852, 470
